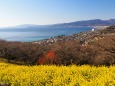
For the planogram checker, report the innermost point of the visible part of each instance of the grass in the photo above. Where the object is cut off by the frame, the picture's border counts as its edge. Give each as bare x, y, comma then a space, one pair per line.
44, 75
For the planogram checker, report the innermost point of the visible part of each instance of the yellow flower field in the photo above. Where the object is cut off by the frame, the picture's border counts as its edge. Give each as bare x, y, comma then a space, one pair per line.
15, 75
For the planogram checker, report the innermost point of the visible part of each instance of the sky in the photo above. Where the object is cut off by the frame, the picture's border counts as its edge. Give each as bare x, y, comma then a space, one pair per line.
42, 12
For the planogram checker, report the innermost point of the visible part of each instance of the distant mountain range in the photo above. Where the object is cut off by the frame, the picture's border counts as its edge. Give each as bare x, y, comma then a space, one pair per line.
84, 23
95, 22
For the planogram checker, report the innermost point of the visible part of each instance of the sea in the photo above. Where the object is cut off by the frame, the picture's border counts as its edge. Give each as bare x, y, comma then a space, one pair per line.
31, 34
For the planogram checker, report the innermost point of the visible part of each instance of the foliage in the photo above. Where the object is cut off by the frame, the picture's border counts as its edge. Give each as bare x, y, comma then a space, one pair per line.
21, 52
84, 75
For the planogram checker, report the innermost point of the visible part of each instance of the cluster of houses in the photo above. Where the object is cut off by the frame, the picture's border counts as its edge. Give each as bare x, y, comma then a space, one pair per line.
83, 37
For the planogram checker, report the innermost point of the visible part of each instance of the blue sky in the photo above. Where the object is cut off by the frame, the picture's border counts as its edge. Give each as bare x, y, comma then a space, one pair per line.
17, 12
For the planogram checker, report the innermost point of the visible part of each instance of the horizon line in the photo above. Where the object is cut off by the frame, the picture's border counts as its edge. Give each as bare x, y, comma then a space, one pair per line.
52, 23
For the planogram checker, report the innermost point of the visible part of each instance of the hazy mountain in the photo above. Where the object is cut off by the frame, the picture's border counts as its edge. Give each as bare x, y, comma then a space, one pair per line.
28, 26
84, 23
95, 22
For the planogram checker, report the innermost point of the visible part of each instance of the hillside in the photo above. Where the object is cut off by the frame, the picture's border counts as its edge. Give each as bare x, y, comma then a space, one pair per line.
83, 36
92, 47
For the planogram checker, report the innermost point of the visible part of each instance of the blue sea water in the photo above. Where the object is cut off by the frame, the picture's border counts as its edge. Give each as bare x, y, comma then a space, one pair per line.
38, 33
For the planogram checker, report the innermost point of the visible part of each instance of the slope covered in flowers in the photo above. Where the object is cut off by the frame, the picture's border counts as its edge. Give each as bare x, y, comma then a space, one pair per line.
15, 75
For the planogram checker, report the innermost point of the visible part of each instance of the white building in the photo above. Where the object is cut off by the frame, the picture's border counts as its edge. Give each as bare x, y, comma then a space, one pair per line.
93, 29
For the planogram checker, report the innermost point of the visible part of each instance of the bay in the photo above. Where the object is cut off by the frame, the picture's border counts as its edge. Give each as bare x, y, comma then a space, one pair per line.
38, 33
